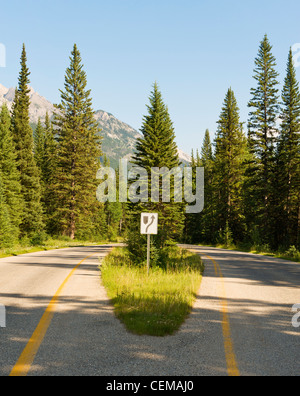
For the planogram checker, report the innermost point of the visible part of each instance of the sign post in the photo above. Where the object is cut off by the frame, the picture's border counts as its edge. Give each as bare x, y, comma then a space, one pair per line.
148, 253
149, 226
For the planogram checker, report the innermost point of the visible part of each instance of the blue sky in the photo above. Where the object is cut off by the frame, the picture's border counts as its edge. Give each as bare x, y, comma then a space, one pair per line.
194, 49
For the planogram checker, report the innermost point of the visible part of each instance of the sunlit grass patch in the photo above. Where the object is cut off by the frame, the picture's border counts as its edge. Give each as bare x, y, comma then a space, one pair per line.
157, 304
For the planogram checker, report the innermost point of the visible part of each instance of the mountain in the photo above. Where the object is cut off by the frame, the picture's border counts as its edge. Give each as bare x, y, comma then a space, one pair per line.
38, 107
119, 138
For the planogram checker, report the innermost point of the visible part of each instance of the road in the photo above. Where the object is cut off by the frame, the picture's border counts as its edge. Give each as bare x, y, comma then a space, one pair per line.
60, 321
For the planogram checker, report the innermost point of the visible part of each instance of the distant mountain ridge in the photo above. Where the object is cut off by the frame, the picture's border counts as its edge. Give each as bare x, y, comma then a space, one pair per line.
38, 108
119, 138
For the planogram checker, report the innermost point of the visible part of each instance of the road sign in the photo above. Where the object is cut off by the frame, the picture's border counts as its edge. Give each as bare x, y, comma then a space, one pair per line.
149, 224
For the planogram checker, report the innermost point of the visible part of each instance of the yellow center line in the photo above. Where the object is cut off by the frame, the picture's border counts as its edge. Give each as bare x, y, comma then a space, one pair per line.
27, 357
232, 366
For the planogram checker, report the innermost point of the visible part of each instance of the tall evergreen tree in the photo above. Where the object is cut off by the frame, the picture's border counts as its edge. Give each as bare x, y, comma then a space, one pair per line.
157, 149
229, 169
263, 133
10, 176
32, 221
157, 146
45, 150
49, 170
199, 227
39, 147
288, 173
7, 230
79, 149
207, 150
50, 161
207, 223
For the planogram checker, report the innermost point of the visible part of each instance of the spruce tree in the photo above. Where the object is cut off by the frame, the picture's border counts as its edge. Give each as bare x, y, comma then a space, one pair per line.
7, 229
288, 190
10, 176
229, 169
207, 150
263, 134
50, 161
79, 151
39, 147
192, 229
207, 224
157, 146
32, 221
199, 227
156, 149
49, 170
45, 150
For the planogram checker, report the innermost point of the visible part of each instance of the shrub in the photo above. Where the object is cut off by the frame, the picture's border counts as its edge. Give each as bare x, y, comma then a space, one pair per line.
225, 237
293, 253
39, 238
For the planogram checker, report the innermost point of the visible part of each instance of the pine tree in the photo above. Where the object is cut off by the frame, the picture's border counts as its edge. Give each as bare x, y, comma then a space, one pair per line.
193, 159
32, 221
157, 149
157, 146
229, 169
50, 162
199, 227
79, 152
39, 147
10, 176
207, 150
49, 170
262, 136
45, 150
7, 230
254, 230
206, 160
288, 190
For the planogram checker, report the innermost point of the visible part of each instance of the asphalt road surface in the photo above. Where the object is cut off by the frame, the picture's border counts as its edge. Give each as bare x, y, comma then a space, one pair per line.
59, 320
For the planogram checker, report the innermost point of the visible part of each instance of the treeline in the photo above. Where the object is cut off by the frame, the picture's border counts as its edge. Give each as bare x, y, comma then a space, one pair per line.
48, 178
252, 189
252, 180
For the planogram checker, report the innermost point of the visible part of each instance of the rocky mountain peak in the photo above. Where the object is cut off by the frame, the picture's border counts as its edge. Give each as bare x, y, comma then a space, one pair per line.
119, 138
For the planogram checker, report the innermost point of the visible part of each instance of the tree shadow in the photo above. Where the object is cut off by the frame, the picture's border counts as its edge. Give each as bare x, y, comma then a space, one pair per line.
86, 339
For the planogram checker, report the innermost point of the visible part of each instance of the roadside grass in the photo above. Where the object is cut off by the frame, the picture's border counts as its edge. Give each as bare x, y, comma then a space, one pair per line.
263, 250
154, 305
25, 247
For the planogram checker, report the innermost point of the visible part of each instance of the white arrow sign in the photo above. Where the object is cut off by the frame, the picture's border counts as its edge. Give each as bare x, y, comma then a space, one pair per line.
149, 224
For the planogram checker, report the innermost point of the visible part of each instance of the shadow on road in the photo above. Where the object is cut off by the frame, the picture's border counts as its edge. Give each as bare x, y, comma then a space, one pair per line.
85, 338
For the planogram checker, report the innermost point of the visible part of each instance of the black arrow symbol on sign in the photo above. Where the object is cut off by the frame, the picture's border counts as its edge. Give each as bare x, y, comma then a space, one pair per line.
149, 225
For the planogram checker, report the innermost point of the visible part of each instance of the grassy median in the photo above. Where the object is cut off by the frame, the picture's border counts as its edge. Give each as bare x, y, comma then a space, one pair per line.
158, 304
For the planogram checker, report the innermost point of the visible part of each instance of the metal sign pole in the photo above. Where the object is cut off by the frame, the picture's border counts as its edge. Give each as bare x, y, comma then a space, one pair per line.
148, 253
149, 226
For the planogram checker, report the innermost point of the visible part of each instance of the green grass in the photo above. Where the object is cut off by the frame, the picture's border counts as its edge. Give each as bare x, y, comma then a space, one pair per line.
158, 304
49, 244
291, 255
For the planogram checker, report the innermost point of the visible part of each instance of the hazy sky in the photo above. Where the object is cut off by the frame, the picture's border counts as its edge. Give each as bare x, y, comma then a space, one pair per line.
194, 49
